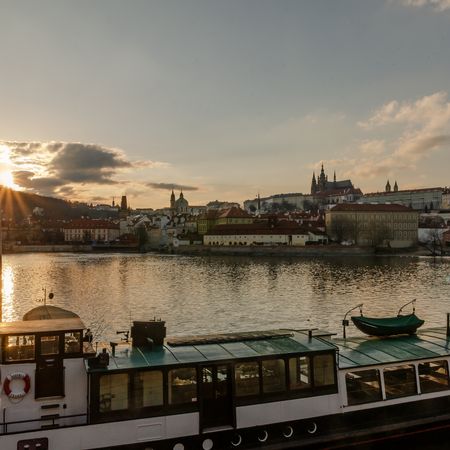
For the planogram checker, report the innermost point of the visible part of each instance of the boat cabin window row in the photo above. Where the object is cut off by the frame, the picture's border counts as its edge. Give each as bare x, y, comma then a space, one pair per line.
178, 388
364, 386
27, 347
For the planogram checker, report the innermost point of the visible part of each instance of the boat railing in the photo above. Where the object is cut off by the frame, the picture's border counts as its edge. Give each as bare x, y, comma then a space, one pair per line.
412, 302
51, 422
345, 321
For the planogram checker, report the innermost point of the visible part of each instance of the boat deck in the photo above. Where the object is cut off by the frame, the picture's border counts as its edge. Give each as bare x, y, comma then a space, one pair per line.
215, 348
367, 351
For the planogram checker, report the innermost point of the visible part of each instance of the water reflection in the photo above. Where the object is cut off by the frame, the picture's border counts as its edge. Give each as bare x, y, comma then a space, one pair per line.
218, 294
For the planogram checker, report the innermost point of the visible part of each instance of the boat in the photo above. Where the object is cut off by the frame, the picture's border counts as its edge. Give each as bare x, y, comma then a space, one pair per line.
283, 389
388, 326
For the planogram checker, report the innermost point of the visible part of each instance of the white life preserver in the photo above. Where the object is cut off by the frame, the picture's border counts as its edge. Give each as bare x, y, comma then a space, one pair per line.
17, 394
313, 428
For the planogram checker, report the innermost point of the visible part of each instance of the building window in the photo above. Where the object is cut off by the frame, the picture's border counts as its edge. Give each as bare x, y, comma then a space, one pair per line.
433, 376
400, 381
273, 375
247, 378
148, 388
182, 386
299, 373
20, 348
113, 392
363, 386
323, 370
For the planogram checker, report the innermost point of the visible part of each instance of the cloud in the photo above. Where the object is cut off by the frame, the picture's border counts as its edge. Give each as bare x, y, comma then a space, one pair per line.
403, 134
373, 146
59, 167
170, 186
436, 5
87, 163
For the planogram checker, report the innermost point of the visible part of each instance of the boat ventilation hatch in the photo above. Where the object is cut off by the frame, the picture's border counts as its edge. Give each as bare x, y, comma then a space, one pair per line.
148, 334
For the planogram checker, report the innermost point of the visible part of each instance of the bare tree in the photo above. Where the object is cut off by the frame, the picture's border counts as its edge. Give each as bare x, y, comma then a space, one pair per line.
434, 242
342, 229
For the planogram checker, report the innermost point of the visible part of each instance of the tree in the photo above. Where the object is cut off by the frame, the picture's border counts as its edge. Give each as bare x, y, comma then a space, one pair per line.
434, 242
342, 229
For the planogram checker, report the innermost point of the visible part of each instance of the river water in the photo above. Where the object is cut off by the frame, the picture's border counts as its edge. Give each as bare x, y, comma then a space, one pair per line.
221, 294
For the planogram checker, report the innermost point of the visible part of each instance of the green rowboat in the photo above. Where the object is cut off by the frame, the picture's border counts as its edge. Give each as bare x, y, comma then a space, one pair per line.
388, 326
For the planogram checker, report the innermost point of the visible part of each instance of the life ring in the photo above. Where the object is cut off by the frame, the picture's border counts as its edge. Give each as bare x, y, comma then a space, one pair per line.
313, 428
262, 437
236, 441
19, 393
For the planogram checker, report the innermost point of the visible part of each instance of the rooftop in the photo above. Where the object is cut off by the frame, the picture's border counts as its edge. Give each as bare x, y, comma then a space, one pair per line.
227, 347
368, 351
369, 207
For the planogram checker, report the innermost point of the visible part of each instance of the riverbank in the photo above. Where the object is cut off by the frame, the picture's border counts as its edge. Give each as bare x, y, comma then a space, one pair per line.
319, 250
202, 250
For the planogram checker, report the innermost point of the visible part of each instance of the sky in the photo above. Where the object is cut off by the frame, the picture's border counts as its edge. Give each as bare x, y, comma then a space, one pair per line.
222, 99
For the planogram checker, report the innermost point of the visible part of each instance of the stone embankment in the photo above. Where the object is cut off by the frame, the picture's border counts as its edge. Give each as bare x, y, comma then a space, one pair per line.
319, 250
46, 248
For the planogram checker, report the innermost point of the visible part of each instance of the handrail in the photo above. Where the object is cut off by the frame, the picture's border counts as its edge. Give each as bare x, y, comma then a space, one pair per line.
345, 322
406, 304
5, 425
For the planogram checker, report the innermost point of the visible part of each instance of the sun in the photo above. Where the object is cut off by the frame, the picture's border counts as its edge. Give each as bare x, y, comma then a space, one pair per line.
6, 179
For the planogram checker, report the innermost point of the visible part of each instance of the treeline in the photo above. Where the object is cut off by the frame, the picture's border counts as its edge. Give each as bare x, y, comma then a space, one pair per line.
18, 206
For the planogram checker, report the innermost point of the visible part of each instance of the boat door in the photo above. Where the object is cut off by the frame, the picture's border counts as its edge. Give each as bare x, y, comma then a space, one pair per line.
216, 399
49, 367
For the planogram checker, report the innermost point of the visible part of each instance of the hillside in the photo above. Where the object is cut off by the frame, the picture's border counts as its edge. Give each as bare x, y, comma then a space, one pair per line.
19, 205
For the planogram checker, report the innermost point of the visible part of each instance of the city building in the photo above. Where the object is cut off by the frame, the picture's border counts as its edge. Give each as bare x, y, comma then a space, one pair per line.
211, 218
88, 230
419, 199
263, 233
290, 201
181, 206
388, 225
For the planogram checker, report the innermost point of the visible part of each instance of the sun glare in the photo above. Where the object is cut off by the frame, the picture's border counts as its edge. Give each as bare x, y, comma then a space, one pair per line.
6, 179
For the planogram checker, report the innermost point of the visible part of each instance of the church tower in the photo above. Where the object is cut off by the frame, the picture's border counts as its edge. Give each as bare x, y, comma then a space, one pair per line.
388, 186
395, 186
172, 200
322, 182
313, 184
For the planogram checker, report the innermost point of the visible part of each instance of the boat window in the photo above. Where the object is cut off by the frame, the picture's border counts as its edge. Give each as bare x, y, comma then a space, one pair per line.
20, 348
49, 345
247, 378
113, 392
72, 342
323, 370
433, 376
182, 386
363, 386
299, 372
400, 381
273, 375
148, 388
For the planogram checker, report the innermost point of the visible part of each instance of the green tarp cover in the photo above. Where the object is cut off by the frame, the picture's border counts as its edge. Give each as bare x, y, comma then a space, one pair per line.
390, 322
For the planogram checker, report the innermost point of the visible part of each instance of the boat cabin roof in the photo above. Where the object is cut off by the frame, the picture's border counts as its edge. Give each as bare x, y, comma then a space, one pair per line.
365, 351
211, 348
41, 326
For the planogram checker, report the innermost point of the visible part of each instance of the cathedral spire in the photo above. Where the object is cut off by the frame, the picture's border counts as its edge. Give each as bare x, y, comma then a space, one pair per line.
313, 184
395, 186
388, 186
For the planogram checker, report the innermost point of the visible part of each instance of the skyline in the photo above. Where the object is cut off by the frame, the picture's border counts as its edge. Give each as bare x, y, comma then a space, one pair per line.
222, 99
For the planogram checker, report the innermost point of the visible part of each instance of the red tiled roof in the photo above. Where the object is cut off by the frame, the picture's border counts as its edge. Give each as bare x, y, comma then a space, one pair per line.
90, 224
262, 228
376, 194
386, 207
234, 213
